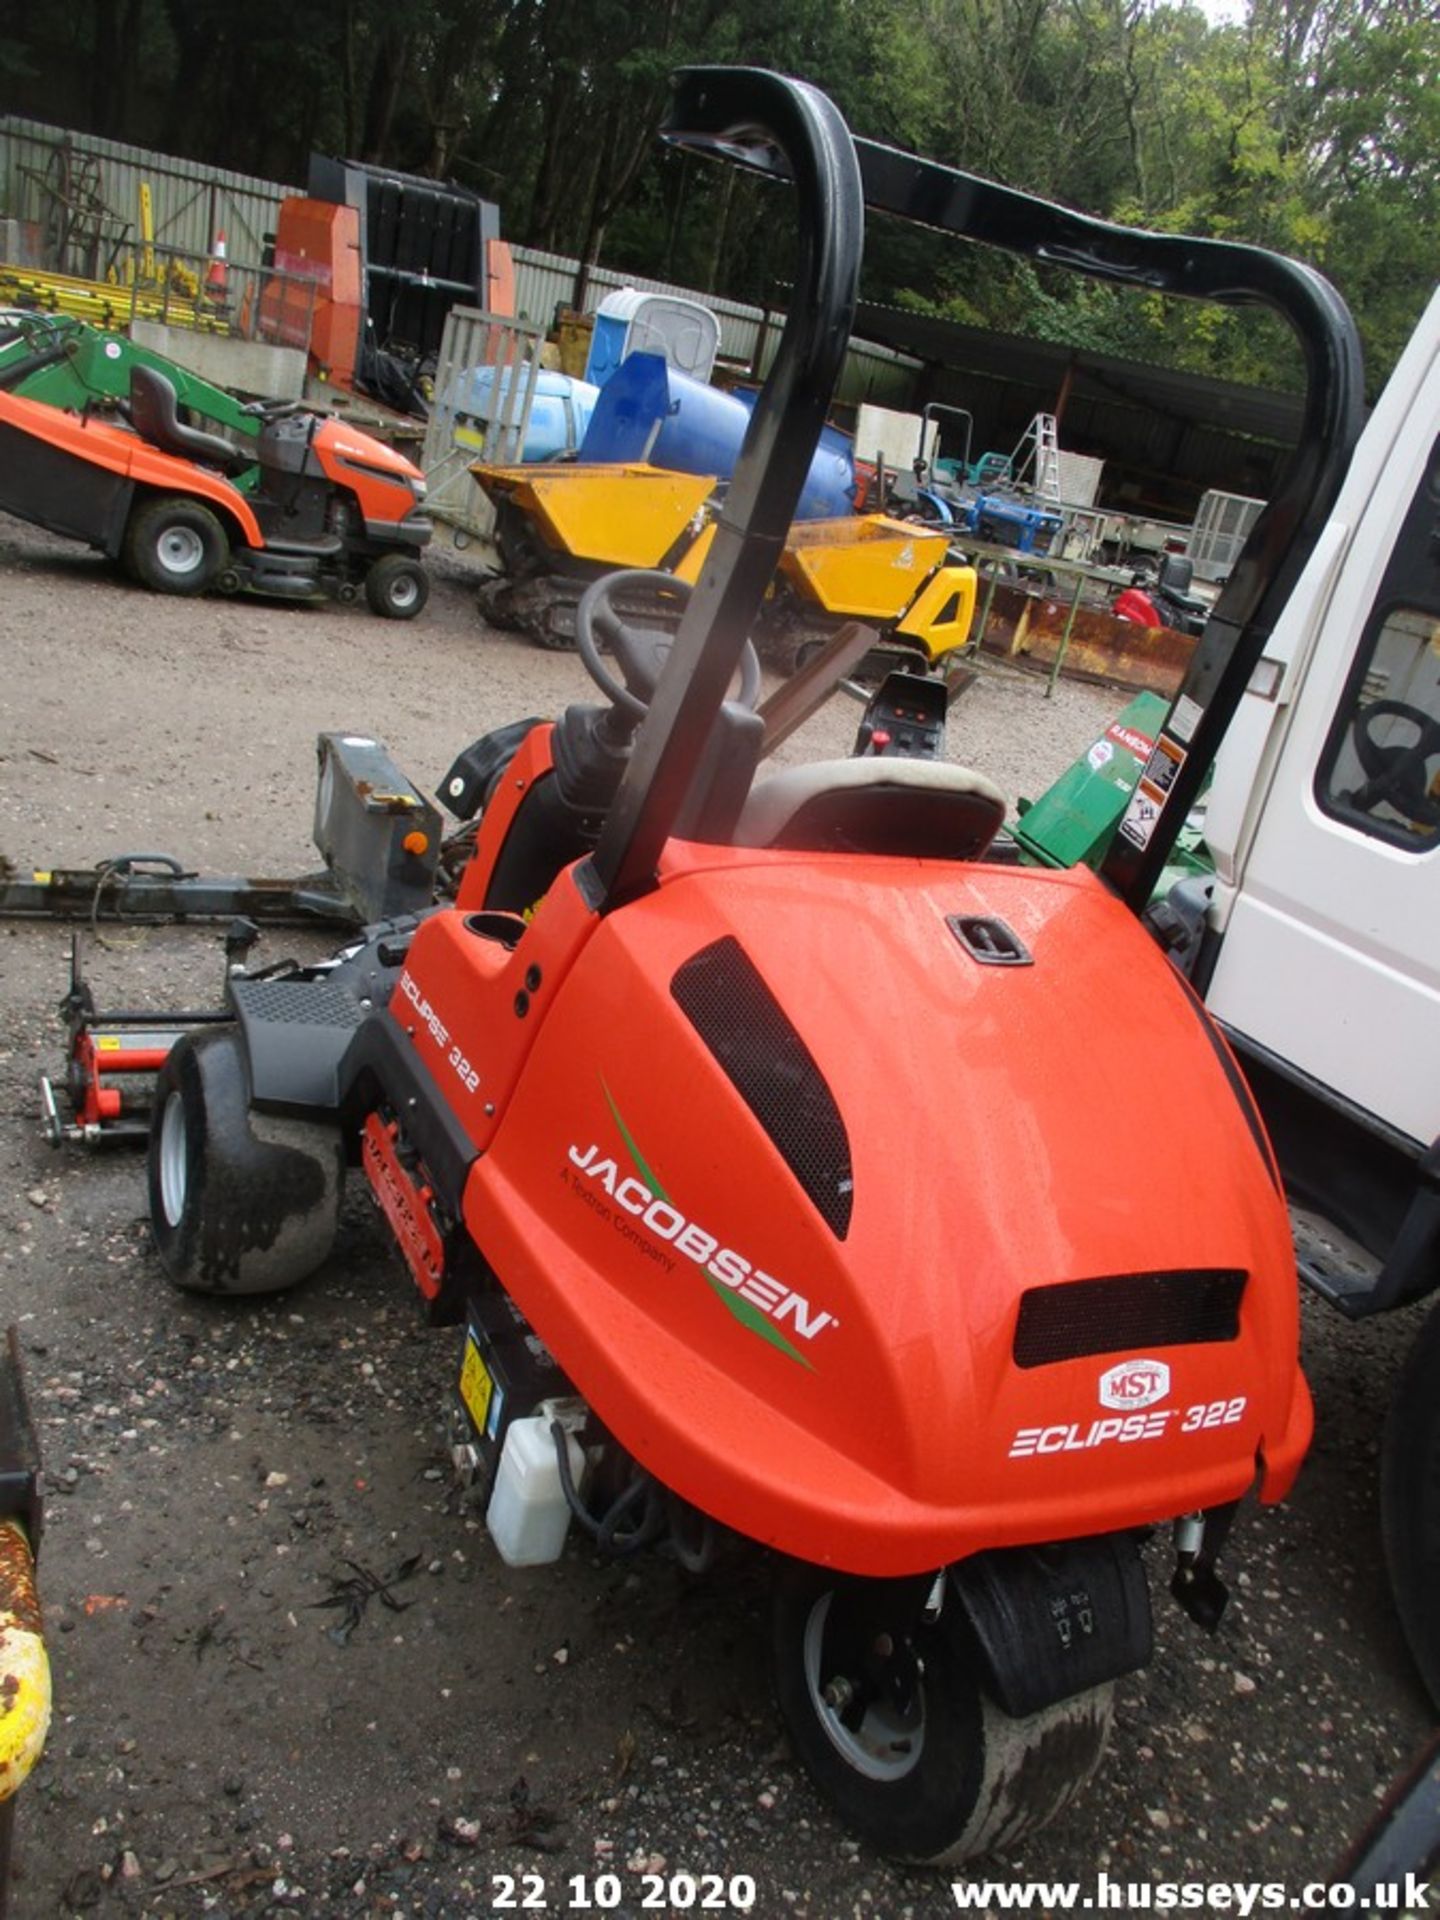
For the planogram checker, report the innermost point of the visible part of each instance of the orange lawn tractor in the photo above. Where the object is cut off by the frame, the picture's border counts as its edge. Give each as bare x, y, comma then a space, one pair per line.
333, 511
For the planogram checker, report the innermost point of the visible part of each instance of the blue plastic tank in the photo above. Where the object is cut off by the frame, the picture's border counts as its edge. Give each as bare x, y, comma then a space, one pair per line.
559, 412
648, 411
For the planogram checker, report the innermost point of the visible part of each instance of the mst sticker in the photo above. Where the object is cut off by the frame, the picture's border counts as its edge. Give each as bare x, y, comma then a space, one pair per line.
1135, 1384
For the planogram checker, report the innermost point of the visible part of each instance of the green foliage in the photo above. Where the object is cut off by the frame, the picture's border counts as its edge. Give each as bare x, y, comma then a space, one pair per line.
1310, 126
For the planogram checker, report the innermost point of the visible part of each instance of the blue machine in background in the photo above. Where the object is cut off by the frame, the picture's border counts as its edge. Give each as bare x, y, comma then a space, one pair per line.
560, 411
650, 411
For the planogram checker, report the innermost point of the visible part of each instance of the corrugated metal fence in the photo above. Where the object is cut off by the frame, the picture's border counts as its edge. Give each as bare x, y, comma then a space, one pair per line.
57, 183
84, 194
546, 281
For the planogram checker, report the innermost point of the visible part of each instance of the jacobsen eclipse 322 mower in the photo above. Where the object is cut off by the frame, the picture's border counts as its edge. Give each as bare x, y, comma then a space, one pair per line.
331, 511
642, 1105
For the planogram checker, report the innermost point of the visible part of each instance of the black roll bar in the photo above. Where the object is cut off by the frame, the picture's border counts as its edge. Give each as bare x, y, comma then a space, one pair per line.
1285, 532
784, 127
774, 125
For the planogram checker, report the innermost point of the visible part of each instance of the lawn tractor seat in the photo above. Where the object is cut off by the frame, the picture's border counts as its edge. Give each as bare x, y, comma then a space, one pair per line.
155, 416
925, 808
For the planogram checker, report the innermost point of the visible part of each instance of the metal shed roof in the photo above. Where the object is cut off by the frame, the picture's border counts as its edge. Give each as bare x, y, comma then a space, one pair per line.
1041, 364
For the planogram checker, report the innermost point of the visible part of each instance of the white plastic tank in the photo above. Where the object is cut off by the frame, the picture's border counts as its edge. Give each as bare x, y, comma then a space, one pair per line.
684, 334
529, 1516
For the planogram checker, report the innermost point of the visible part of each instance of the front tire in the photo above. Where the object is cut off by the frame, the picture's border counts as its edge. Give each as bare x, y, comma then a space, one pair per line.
1410, 1501
240, 1202
397, 587
907, 1745
174, 545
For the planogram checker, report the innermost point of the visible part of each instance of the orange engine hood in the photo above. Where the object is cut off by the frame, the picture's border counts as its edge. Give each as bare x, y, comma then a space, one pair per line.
841, 1378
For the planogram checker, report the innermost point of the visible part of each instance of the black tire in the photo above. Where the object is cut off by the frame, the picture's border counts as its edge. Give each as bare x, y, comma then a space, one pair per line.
492, 598
807, 648
934, 1772
1410, 1502
174, 545
541, 606
397, 587
787, 647
551, 628
240, 1202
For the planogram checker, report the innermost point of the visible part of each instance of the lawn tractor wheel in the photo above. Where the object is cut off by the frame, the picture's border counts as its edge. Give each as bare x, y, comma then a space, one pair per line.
899, 1733
240, 1201
397, 587
1410, 1501
175, 545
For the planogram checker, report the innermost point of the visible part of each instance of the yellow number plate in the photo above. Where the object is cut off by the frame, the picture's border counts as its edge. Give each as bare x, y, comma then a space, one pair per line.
477, 1389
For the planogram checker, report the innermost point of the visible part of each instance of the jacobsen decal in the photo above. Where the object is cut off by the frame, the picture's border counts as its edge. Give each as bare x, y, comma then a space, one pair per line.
645, 1214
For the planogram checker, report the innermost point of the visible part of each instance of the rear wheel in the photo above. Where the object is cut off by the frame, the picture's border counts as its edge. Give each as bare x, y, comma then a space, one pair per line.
397, 587
1410, 1502
174, 545
240, 1201
898, 1732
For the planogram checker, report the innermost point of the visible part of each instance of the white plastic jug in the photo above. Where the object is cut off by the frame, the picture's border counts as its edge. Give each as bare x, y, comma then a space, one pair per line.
529, 1516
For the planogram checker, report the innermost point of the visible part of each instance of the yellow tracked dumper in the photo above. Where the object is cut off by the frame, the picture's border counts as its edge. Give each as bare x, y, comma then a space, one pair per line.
559, 526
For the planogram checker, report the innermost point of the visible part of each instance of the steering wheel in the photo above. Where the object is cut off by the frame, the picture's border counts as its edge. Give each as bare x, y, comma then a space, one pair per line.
1398, 774
640, 652
273, 409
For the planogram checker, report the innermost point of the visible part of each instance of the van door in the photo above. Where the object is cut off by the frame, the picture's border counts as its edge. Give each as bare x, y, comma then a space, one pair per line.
1330, 960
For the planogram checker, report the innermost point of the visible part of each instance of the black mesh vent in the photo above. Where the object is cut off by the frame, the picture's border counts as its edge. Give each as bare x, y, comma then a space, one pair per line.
771, 1068
303, 1003
1125, 1311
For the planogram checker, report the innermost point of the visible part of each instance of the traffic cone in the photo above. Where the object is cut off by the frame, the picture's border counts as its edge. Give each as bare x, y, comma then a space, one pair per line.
217, 280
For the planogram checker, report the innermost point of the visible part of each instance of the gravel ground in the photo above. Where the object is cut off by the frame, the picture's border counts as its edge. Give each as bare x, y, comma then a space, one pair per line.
247, 1722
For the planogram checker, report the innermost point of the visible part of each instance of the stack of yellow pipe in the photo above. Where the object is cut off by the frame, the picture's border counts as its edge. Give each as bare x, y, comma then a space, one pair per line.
101, 303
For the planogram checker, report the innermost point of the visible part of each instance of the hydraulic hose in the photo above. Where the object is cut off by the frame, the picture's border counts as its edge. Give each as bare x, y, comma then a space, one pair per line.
609, 1530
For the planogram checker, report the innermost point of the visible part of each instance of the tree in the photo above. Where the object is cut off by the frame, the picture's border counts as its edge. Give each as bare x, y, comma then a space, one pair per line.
1312, 126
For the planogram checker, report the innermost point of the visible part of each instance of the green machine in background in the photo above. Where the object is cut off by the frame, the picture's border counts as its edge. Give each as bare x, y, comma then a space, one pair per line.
67, 363
1073, 822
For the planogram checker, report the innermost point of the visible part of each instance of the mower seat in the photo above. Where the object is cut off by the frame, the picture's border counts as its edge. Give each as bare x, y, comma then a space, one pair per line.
155, 416
928, 809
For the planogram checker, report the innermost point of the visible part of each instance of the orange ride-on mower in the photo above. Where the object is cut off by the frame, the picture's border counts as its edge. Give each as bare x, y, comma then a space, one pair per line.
641, 1109
333, 509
